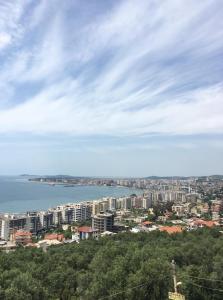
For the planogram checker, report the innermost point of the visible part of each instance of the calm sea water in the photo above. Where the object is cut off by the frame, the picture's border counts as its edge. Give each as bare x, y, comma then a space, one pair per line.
17, 194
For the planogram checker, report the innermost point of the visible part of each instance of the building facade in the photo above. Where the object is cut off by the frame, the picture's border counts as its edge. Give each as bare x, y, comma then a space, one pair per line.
103, 222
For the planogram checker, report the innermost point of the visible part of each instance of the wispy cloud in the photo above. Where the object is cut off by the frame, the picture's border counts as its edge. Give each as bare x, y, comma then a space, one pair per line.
122, 69
11, 13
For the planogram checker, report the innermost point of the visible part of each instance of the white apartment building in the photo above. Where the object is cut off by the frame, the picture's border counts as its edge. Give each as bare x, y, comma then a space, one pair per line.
100, 206
112, 204
146, 203
45, 219
4, 228
67, 214
81, 211
126, 203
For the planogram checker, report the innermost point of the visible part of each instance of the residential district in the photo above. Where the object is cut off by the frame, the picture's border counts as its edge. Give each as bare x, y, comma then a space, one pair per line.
171, 205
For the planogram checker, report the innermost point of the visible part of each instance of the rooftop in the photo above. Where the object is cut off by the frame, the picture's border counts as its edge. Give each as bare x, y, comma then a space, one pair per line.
171, 229
86, 229
23, 233
147, 223
53, 236
204, 223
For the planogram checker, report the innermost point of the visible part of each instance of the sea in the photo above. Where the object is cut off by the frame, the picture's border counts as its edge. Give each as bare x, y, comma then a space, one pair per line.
18, 194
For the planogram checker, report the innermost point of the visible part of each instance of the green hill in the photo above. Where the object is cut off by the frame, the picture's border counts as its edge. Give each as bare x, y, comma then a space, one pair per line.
127, 266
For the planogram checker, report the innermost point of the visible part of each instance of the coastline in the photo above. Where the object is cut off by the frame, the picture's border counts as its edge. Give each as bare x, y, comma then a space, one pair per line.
18, 197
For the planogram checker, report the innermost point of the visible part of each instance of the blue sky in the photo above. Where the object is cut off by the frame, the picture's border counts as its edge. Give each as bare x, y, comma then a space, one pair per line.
126, 88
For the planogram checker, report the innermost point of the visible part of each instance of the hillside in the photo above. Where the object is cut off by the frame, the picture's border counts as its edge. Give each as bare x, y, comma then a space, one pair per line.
128, 266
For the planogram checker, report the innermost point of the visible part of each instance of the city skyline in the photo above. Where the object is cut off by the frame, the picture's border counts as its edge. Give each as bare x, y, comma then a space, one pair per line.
111, 89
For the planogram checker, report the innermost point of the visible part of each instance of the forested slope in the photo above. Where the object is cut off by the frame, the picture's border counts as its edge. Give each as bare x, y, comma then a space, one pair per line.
130, 266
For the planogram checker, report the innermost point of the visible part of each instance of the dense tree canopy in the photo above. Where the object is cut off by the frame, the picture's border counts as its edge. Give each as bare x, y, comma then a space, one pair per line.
130, 266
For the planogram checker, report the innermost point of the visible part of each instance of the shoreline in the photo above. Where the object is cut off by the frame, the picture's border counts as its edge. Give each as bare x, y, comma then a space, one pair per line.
67, 199
55, 183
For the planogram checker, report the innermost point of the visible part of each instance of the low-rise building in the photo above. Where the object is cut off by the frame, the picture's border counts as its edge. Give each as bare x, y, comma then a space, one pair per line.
86, 232
199, 223
147, 223
23, 237
171, 229
54, 236
179, 210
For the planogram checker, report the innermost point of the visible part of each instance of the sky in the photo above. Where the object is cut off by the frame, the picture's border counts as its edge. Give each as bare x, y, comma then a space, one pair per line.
111, 88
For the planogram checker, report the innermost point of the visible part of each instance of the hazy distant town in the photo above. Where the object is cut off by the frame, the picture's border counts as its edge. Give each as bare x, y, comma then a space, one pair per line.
171, 204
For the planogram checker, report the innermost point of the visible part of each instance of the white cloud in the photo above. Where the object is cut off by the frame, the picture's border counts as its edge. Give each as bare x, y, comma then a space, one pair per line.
5, 39
51, 112
136, 69
10, 15
47, 58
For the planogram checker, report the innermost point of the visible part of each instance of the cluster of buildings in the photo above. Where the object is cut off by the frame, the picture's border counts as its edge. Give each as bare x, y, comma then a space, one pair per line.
212, 209
123, 203
100, 211
175, 226
152, 183
37, 221
183, 199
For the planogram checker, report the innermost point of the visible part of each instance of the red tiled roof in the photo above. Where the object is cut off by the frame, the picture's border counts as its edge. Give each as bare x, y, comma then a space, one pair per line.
23, 233
210, 223
204, 223
86, 229
54, 236
171, 229
147, 223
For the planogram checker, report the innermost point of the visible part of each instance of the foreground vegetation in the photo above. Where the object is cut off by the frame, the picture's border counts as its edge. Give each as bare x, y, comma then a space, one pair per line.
131, 266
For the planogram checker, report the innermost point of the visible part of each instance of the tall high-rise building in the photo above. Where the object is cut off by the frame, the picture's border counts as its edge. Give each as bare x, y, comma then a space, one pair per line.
33, 222
100, 206
112, 204
126, 203
46, 219
11, 223
146, 202
57, 216
81, 212
103, 222
4, 228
